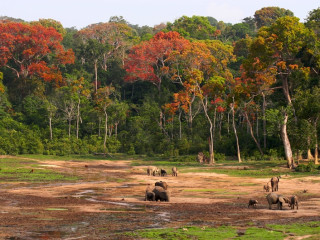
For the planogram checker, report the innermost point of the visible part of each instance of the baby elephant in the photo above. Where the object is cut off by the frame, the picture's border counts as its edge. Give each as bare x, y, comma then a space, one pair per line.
267, 187
163, 172
293, 201
252, 203
175, 172
164, 185
150, 195
274, 183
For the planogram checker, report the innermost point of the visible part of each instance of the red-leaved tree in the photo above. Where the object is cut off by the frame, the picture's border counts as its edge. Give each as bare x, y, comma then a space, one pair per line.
33, 52
150, 60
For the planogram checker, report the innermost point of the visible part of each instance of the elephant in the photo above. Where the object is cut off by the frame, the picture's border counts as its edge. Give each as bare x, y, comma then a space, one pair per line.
161, 194
175, 172
252, 203
163, 172
274, 183
164, 185
152, 170
150, 195
293, 201
267, 187
274, 198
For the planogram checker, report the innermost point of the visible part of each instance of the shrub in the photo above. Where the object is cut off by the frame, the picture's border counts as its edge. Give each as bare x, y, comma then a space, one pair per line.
131, 150
113, 144
219, 157
310, 167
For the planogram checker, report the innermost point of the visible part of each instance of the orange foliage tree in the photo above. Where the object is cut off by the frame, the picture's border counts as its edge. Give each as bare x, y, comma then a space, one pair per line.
151, 60
202, 70
33, 51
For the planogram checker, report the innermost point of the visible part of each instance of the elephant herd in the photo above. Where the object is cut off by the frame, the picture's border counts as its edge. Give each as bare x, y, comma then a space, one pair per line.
274, 198
159, 191
153, 171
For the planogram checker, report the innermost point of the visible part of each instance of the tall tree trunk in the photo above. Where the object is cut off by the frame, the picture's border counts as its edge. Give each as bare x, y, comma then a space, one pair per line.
96, 75
228, 123
299, 156
99, 126
235, 132
210, 141
69, 120
106, 132
50, 127
116, 129
180, 125
220, 125
78, 118
286, 143
309, 154
251, 132
284, 134
316, 160
172, 127
264, 122
214, 121
257, 126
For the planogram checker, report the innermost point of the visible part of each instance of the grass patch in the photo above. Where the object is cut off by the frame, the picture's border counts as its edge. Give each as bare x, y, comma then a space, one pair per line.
274, 232
186, 233
13, 170
248, 184
56, 209
261, 234
299, 229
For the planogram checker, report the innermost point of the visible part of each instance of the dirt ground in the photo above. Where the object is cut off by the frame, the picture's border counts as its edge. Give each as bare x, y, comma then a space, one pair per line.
109, 200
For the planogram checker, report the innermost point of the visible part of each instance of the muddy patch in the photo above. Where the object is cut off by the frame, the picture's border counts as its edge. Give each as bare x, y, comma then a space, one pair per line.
109, 199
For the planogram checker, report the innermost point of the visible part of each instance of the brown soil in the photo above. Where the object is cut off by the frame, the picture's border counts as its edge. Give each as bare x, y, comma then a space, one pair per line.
109, 200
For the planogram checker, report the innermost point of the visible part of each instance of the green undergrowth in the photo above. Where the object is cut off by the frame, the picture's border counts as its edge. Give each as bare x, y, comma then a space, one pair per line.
310, 230
13, 170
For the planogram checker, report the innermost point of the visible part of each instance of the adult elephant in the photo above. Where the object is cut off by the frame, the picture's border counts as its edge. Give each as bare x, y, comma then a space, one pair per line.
274, 198
164, 185
152, 170
175, 172
161, 194
274, 183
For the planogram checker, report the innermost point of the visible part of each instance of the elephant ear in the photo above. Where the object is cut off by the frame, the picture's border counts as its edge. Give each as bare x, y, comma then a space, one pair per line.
282, 199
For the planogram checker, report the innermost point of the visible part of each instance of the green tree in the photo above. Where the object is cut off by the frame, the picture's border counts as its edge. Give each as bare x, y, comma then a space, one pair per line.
268, 15
307, 105
276, 50
104, 101
51, 23
196, 27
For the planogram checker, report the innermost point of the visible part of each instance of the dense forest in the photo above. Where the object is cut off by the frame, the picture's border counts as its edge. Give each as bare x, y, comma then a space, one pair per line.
245, 90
